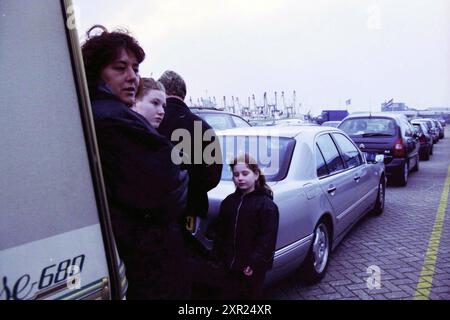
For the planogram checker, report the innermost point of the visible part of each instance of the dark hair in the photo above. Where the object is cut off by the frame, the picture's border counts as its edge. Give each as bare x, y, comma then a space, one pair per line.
174, 84
146, 85
101, 49
251, 163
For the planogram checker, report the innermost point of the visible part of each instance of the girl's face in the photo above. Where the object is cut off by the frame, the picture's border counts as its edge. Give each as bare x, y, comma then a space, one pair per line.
122, 76
151, 106
244, 178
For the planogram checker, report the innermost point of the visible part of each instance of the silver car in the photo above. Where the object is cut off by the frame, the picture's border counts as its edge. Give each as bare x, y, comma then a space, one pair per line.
322, 184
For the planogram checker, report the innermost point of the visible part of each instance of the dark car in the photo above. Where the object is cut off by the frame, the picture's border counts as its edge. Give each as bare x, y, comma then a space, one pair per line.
388, 134
220, 120
334, 124
441, 129
432, 128
425, 139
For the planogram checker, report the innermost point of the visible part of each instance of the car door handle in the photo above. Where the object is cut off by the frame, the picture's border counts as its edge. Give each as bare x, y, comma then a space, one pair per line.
356, 178
332, 190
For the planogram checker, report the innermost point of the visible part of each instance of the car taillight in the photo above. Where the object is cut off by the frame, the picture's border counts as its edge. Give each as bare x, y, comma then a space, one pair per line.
399, 149
423, 139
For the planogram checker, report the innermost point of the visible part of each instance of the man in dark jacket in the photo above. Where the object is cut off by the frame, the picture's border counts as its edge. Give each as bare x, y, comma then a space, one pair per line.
203, 174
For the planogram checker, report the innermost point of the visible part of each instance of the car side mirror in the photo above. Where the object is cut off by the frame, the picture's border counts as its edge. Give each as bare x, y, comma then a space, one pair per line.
379, 158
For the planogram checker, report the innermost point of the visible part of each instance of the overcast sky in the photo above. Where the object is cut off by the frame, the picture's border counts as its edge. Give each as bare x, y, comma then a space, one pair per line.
328, 51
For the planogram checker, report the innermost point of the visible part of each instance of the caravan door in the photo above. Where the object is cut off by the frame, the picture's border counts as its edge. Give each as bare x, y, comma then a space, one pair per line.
55, 234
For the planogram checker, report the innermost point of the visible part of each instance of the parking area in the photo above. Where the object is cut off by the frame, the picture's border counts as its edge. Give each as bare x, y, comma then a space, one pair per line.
402, 254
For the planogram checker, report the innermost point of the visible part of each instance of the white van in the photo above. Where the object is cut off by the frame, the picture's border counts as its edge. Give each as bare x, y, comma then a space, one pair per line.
55, 234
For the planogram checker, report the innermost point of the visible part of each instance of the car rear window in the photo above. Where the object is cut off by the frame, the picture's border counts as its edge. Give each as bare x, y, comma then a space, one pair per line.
369, 127
273, 154
239, 123
418, 127
217, 121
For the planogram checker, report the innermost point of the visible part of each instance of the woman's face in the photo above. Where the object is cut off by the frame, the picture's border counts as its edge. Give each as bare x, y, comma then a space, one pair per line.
151, 106
122, 76
244, 178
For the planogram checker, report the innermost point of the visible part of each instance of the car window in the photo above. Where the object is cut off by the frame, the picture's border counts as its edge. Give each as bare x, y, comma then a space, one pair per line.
349, 152
431, 123
368, 126
437, 124
405, 127
418, 127
217, 121
321, 167
273, 154
427, 124
330, 153
240, 123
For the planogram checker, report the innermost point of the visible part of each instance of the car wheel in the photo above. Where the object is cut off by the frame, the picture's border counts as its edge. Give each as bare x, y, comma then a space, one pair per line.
316, 262
416, 167
379, 204
426, 155
403, 176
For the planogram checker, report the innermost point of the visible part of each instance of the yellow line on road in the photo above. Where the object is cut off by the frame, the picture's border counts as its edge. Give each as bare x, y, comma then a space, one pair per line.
424, 285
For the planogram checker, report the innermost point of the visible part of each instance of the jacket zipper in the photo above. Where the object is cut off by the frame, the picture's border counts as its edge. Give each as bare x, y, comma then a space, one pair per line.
235, 230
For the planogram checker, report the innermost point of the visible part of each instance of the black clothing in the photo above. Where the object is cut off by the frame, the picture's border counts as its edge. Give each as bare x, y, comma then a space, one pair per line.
202, 177
147, 196
245, 234
246, 231
214, 281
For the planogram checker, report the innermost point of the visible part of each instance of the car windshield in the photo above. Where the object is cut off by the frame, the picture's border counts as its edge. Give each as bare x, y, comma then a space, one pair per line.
273, 154
427, 123
369, 127
418, 127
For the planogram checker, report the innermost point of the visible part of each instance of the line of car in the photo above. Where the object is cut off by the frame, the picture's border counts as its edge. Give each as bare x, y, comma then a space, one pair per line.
324, 179
404, 143
323, 184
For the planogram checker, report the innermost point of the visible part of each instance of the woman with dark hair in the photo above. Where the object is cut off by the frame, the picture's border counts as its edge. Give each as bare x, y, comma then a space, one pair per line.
146, 190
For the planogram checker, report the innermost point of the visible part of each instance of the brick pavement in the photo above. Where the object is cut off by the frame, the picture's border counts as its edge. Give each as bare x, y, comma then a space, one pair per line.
396, 241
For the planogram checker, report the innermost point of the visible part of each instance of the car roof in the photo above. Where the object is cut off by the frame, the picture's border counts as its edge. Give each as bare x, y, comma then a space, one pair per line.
287, 132
375, 114
421, 123
211, 110
422, 120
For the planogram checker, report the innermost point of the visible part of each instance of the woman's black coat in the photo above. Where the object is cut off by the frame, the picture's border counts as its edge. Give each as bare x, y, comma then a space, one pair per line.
147, 197
246, 231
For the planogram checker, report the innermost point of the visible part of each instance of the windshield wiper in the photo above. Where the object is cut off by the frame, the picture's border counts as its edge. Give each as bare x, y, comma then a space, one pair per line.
376, 134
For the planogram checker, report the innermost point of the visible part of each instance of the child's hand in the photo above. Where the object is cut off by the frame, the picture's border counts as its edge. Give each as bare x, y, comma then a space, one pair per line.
248, 271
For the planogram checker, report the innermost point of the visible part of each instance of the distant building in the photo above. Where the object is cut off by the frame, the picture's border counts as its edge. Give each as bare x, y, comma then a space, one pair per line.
394, 106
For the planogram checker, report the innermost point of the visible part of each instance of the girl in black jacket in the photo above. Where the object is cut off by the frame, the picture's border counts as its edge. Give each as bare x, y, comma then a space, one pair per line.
246, 231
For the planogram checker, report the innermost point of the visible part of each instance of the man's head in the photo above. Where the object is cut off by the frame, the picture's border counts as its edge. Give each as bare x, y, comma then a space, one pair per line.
174, 84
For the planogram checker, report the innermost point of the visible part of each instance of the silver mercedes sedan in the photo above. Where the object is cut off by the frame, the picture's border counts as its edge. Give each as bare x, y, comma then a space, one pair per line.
322, 184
